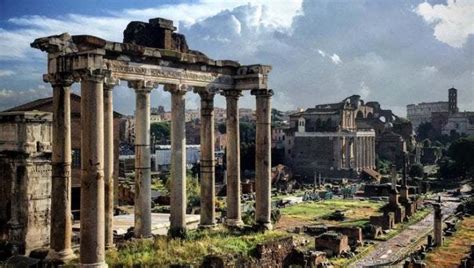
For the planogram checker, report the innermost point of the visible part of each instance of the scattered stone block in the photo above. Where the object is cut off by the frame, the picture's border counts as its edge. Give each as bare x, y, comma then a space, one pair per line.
274, 253
354, 234
334, 244
386, 221
315, 230
316, 258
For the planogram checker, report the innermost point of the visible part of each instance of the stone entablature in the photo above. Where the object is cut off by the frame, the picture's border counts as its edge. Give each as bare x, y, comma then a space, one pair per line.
84, 53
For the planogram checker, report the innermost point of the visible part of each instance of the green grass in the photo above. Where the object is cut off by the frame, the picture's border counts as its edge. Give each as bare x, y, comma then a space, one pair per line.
454, 247
164, 251
317, 210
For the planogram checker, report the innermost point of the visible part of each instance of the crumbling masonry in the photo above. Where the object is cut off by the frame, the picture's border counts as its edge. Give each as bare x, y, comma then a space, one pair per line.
151, 55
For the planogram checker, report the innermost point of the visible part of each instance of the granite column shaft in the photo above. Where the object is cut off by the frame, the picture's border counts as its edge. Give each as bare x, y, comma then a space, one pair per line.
92, 176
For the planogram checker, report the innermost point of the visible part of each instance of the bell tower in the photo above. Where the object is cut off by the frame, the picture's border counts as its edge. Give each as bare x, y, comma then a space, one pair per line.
453, 100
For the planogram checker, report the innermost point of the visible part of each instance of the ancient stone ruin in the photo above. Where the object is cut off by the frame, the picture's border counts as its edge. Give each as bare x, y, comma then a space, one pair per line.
25, 179
151, 55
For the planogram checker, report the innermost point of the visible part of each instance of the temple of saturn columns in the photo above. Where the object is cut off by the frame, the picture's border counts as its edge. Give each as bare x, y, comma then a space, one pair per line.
151, 55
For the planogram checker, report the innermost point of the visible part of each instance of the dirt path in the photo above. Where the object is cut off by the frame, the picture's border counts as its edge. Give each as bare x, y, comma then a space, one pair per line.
391, 250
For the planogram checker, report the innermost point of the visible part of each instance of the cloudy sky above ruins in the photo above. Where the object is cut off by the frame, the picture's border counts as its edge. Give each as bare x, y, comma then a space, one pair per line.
395, 52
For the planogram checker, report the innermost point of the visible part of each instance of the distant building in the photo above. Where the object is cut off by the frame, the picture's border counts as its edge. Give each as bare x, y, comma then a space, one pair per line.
278, 135
433, 112
461, 123
327, 139
422, 112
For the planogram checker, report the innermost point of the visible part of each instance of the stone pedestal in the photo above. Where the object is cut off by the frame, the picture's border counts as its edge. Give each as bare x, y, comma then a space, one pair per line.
142, 158
92, 175
410, 206
25, 180
234, 215
178, 160
263, 181
207, 163
61, 219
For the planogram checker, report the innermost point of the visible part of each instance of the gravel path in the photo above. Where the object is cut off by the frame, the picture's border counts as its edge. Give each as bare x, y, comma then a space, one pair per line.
392, 249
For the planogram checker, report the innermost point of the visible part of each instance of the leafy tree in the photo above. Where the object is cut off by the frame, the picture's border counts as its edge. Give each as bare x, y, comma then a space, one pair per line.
448, 169
277, 116
161, 131
425, 131
462, 153
416, 170
383, 165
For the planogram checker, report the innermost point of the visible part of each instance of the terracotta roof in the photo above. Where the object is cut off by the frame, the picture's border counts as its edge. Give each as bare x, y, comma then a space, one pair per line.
372, 173
37, 104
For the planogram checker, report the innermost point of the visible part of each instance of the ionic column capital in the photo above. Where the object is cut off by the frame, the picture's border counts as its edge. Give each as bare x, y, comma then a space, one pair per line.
180, 89
206, 93
60, 79
145, 86
110, 82
207, 104
262, 93
97, 75
232, 93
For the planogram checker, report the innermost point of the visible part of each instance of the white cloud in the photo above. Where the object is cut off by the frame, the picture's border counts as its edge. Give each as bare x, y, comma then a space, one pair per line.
429, 70
452, 23
10, 98
335, 59
6, 73
322, 53
15, 43
364, 90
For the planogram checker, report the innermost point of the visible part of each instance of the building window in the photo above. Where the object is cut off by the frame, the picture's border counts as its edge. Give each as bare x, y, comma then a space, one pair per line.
76, 158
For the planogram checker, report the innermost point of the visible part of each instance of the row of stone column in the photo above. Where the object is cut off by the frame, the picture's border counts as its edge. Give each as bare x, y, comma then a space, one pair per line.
365, 152
97, 161
262, 156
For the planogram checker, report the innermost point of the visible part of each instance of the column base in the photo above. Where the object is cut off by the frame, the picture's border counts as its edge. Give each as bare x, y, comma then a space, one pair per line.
98, 265
234, 222
60, 256
207, 226
264, 226
177, 232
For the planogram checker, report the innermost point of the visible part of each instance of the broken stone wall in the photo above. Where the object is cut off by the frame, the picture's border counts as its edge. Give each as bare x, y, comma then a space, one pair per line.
25, 175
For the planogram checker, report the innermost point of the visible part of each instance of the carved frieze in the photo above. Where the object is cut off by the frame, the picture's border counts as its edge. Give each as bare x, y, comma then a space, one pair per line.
167, 74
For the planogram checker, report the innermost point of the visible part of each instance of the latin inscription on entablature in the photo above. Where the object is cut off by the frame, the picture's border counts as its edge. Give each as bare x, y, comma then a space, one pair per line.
167, 73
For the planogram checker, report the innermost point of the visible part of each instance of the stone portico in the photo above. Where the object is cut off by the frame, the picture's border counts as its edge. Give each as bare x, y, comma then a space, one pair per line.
151, 55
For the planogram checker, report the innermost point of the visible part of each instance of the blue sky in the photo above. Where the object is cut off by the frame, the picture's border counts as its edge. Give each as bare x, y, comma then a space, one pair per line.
394, 52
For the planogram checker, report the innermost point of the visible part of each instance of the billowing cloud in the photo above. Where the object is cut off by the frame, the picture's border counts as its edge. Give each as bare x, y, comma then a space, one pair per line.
453, 22
9, 97
321, 51
6, 72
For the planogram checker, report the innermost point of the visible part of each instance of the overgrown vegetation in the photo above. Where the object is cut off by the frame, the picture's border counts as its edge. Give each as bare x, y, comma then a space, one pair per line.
454, 247
383, 166
161, 132
163, 251
355, 210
